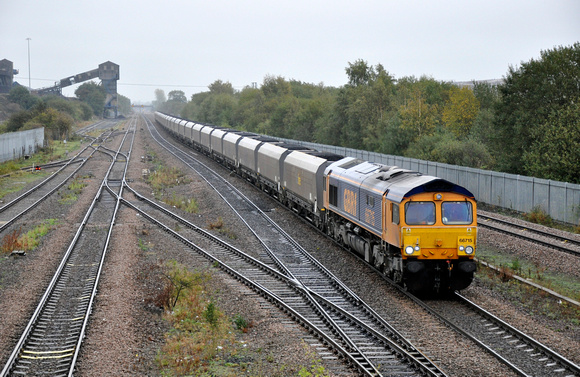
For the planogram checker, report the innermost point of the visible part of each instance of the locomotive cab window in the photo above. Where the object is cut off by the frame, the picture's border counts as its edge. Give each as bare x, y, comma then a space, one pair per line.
420, 213
456, 213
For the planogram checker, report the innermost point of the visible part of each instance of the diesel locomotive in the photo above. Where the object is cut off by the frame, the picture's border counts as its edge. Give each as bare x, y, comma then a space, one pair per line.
419, 230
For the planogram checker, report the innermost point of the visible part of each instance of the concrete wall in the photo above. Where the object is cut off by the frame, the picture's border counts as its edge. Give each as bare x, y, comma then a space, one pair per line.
14, 145
560, 200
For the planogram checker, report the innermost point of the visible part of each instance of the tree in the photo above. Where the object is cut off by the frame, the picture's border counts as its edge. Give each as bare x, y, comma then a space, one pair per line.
177, 96
530, 95
483, 125
460, 111
275, 86
362, 107
18, 120
94, 95
123, 104
359, 73
160, 99
418, 116
446, 148
250, 110
555, 153
220, 87
57, 124
175, 103
487, 94
21, 95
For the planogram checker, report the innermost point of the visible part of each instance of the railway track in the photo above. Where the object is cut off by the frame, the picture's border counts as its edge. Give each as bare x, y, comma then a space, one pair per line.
51, 341
317, 313
520, 352
541, 237
316, 298
27, 201
512, 347
523, 354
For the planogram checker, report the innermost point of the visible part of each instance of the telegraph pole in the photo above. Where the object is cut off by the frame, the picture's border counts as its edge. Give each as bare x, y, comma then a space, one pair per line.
29, 86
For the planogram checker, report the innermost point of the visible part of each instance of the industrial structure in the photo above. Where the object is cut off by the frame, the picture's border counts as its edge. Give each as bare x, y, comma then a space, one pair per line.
108, 72
7, 73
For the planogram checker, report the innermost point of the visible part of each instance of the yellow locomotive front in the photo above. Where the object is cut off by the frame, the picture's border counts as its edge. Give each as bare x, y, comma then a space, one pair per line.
417, 229
438, 233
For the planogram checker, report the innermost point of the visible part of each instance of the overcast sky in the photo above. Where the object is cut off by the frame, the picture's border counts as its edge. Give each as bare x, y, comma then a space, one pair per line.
188, 44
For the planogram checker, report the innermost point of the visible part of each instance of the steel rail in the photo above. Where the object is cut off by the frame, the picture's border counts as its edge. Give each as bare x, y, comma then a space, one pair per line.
40, 200
325, 271
106, 246
453, 326
400, 340
530, 238
52, 176
257, 209
569, 365
290, 282
401, 346
45, 181
16, 353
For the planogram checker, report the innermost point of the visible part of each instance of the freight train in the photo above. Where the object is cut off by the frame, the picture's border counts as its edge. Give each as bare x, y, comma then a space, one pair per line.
417, 229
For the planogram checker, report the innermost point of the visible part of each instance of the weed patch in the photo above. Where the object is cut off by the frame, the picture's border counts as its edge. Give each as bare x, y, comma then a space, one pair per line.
242, 324
11, 242
166, 177
56, 150
181, 202
143, 246
17, 180
200, 333
539, 216
531, 299
221, 229
27, 241
31, 239
73, 190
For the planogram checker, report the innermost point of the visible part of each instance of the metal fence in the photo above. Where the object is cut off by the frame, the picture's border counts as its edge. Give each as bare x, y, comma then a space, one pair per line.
14, 145
560, 200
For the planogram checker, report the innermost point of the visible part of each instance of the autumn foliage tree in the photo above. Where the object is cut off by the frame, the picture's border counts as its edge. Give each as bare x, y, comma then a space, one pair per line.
460, 112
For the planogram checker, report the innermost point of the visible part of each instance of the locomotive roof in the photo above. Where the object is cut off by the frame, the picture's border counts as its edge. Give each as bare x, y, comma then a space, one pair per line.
396, 182
411, 183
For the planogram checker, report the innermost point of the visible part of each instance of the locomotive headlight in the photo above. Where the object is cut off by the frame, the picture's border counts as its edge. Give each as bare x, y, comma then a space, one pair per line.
409, 250
417, 248
461, 248
469, 250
